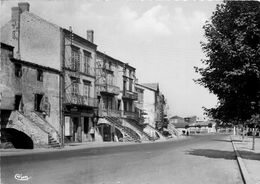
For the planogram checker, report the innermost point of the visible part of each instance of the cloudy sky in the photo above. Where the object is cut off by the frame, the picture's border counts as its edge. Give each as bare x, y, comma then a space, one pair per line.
161, 39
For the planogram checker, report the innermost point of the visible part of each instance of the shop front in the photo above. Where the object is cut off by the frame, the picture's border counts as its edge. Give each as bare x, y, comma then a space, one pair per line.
79, 124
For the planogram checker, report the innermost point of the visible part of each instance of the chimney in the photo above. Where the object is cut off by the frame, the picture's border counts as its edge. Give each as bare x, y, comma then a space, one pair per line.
90, 35
24, 6
16, 13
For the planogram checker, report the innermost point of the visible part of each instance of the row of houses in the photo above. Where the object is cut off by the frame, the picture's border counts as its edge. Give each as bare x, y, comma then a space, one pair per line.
57, 87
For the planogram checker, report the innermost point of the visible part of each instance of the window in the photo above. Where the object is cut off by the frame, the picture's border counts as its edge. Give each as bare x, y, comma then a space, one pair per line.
17, 102
37, 102
125, 106
74, 86
75, 59
109, 79
124, 86
86, 88
130, 106
18, 70
130, 84
39, 75
86, 62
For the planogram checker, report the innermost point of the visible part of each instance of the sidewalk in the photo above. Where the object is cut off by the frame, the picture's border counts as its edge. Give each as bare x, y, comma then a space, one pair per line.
76, 146
248, 159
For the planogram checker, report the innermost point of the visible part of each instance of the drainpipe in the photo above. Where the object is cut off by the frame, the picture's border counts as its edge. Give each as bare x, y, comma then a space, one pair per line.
62, 86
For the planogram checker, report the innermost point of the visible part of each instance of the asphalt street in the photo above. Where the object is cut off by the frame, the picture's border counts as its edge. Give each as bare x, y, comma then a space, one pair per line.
205, 159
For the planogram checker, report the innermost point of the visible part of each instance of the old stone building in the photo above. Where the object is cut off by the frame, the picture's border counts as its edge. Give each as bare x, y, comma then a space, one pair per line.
95, 97
37, 54
30, 103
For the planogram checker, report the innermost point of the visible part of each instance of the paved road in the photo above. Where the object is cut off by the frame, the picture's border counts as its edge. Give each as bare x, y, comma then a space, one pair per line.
200, 159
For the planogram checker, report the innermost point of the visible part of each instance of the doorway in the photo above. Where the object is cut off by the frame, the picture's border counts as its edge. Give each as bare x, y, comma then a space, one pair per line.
76, 130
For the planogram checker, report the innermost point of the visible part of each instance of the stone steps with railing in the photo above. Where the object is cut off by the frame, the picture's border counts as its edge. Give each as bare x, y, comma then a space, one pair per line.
136, 127
45, 126
130, 135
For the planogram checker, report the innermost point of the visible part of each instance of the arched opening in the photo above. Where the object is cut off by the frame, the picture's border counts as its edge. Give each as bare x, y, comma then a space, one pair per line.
109, 132
18, 139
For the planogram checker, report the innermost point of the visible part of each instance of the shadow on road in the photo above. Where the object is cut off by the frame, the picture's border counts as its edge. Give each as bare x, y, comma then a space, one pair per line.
249, 155
210, 153
230, 155
221, 140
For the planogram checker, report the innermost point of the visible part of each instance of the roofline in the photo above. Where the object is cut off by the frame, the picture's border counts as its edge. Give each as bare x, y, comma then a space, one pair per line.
147, 87
6, 46
76, 36
118, 61
27, 63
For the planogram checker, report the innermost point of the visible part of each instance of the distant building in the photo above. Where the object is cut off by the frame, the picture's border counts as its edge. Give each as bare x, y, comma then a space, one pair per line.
192, 119
153, 108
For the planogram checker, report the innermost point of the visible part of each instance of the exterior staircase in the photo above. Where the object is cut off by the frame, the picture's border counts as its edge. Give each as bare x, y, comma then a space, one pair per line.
52, 142
53, 135
136, 126
129, 134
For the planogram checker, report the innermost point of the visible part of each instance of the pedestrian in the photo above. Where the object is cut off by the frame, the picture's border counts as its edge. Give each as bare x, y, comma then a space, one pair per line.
92, 134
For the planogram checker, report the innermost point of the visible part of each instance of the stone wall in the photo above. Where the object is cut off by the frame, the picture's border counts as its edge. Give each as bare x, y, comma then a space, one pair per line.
21, 123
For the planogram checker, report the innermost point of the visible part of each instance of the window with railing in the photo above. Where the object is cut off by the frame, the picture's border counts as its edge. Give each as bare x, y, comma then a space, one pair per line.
74, 86
75, 59
86, 88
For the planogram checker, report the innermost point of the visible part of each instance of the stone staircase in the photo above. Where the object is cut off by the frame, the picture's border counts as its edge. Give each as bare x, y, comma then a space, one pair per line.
129, 134
52, 142
53, 135
136, 126
171, 128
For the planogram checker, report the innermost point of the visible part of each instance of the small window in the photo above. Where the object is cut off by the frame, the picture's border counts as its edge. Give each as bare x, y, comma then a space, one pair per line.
18, 70
37, 102
17, 102
39, 75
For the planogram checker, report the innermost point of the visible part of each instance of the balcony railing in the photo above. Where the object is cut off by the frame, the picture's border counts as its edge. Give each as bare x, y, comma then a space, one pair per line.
130, 95
130, 114
106, 88
77, 99
111, 112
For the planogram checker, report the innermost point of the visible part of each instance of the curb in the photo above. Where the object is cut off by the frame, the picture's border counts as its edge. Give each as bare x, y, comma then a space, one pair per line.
245, 175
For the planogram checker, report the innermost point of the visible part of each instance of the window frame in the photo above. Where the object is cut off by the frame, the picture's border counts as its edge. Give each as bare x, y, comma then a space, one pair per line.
18, 70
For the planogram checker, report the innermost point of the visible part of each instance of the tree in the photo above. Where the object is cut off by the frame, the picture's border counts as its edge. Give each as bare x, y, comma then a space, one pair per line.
232, 64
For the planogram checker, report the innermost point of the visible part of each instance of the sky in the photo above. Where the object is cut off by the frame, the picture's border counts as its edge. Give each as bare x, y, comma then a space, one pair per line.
161, 39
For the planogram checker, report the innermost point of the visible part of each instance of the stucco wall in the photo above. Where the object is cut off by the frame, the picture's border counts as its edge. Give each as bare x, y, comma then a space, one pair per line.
27, 86
6, 82
149, 106
23, 124
39, 41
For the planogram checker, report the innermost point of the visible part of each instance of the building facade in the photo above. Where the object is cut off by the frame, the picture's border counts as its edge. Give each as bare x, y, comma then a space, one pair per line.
92, 96
80, 99
29, 98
